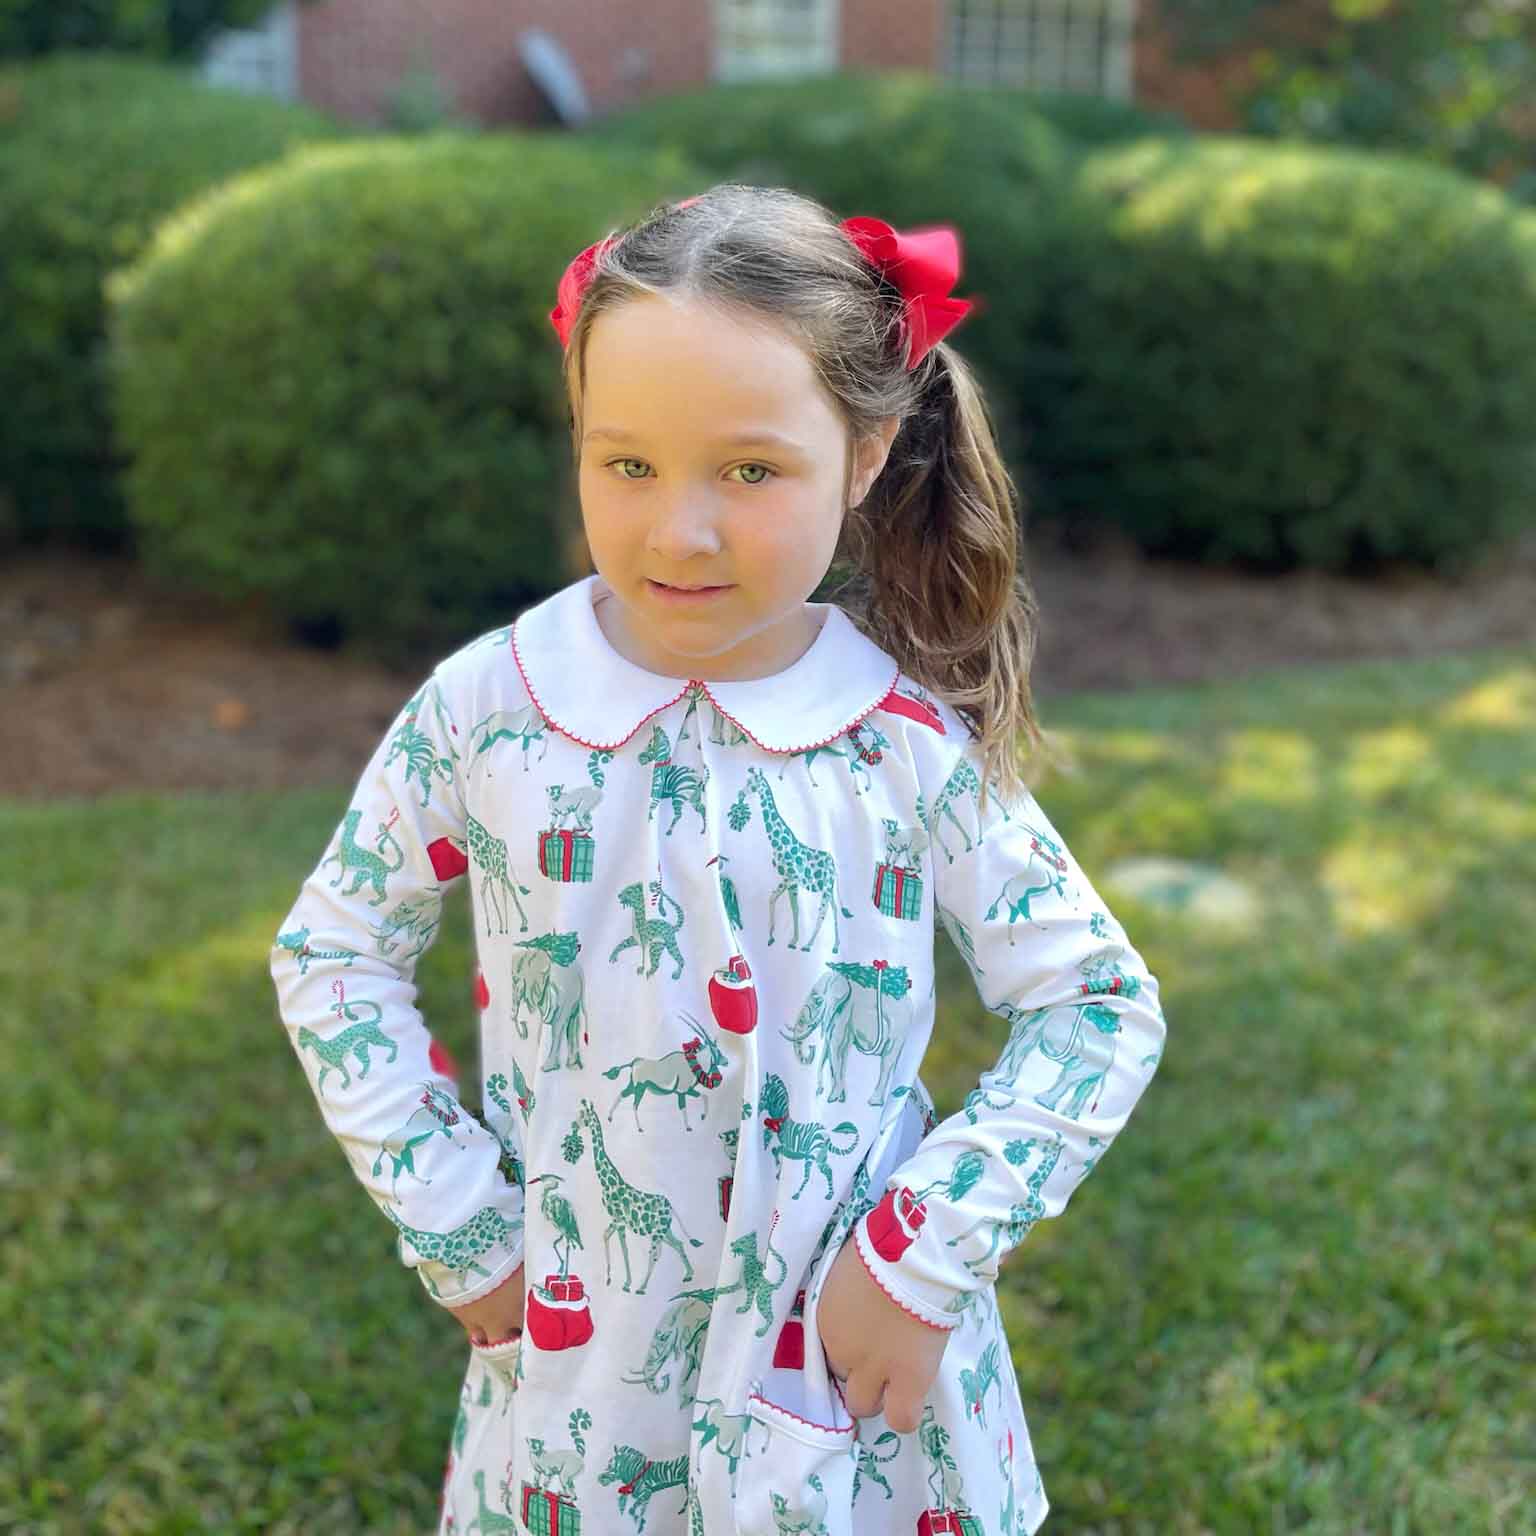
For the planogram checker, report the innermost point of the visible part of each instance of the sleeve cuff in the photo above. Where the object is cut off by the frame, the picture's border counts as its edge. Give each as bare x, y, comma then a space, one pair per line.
881, 1236
439, 1281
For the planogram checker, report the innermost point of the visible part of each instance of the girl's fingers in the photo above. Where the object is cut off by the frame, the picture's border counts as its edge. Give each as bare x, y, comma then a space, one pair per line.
862, 1394
901, 1413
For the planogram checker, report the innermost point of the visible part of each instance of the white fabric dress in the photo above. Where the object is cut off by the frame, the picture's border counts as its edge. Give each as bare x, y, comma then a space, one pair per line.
705, 917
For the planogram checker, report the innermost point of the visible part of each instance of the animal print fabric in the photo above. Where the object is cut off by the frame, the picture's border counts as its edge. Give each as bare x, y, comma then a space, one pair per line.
704, 919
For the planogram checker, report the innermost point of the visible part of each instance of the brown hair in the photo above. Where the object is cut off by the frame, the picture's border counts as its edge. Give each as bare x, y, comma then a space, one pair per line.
934, 547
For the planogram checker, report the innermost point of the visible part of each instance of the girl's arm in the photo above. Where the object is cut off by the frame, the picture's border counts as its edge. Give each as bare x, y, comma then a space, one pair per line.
1086, 1034
344, 962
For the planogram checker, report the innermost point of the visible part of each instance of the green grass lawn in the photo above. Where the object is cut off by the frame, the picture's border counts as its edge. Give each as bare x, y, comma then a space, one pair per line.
1294, 1297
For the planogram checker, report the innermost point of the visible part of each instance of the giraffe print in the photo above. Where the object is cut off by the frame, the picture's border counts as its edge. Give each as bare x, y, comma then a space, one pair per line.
961, 781
796, 865
630, 1209
490, 853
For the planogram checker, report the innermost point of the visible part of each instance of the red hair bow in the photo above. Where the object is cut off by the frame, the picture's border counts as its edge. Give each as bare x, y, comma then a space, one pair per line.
923, 264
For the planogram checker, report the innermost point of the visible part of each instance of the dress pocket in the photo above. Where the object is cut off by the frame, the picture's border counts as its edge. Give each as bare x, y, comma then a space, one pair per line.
802, 1443
798, 1472
503, 1360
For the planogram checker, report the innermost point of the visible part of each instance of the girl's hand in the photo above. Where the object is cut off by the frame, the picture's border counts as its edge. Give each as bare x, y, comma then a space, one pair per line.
885, 1358
497, 1317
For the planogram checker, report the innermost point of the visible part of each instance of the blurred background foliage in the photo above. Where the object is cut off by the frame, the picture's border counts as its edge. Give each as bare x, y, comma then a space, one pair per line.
1453, 81
158, 29
290, 360
95, 150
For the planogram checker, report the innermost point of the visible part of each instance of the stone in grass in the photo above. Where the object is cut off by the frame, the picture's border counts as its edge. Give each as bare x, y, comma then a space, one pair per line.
1202, 891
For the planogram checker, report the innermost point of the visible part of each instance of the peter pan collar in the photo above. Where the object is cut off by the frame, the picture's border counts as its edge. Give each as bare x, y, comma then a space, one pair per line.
599, 698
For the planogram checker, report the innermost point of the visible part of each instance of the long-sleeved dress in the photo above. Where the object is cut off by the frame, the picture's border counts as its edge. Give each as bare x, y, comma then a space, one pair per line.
705, 917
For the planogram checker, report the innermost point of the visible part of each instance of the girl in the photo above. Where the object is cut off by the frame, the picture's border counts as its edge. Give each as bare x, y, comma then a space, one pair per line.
720, 1267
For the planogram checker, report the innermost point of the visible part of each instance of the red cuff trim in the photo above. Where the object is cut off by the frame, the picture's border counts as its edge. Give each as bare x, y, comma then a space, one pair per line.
942, 1328
502, 1285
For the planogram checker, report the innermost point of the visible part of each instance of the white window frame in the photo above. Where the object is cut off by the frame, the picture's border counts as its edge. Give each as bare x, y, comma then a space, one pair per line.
1045, 45
775, 39
263, 60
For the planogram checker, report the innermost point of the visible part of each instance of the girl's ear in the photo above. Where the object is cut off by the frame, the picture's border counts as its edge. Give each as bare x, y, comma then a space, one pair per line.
871, 455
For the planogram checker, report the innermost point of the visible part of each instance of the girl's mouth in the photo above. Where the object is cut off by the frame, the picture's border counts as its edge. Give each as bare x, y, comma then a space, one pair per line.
680, 595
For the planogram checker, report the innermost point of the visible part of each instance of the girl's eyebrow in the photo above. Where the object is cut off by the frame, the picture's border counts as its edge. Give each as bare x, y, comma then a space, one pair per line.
762, 437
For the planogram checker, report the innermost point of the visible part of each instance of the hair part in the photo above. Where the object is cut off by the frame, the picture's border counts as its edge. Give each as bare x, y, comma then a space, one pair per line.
933, 548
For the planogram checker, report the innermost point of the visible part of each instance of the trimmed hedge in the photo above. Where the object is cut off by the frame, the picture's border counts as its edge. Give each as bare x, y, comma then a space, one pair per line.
1231, 349
94, 150
339, 387
915, 149
438, 377
1205, 342
1282, 356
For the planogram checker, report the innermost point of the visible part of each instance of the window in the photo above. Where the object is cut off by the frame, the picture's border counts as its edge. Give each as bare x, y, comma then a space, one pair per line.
262, 59
771, 39
1049, 45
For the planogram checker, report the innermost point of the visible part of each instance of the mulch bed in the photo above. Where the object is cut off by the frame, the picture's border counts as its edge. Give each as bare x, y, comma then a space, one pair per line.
111, 686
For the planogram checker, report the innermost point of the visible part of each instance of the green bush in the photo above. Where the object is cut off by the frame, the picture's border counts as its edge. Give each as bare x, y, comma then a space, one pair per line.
94, 150
1231, 350
1285, 356
162, 29
903, 122
913, 149
338, 386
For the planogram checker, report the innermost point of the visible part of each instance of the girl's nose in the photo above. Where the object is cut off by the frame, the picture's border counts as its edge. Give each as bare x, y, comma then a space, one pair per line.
683, 530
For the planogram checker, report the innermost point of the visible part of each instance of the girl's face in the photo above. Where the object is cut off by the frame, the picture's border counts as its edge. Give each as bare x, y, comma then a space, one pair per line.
680, 500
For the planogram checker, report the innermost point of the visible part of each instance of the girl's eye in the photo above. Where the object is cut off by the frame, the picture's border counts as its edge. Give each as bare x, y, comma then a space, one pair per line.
623, 476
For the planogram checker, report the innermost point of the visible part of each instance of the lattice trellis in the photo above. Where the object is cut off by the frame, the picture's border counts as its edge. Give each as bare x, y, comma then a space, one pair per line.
1048, 45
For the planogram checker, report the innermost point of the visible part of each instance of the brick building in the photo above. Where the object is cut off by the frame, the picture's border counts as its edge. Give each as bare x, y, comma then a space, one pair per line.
350, 57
